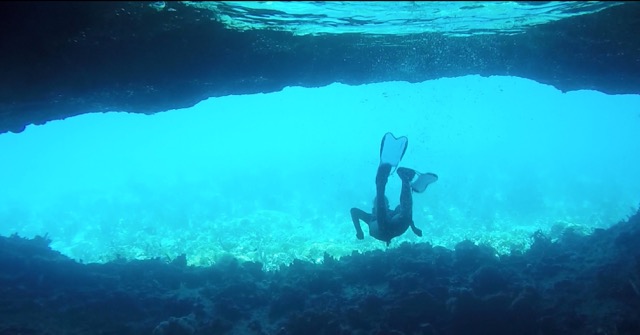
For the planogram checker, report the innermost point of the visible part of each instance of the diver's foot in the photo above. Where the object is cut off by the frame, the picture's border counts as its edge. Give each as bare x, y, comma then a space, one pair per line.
383, 173
406, 174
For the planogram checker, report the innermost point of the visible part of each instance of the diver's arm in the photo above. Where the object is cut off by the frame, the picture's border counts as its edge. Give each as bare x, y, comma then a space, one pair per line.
357, 215
415, 229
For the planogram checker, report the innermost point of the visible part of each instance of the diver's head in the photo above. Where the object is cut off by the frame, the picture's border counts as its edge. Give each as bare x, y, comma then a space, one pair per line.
375, 202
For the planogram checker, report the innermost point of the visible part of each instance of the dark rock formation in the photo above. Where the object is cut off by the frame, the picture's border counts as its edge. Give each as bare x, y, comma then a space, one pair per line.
61, 59
576, 285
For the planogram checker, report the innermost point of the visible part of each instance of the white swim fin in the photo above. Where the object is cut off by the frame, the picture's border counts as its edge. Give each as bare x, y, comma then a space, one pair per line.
422, 181
392, 149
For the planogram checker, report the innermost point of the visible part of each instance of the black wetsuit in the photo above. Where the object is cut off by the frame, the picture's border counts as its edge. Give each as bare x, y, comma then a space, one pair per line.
385, 224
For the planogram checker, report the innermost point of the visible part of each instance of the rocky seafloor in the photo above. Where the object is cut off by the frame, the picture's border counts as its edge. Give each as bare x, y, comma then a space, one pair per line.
574, 285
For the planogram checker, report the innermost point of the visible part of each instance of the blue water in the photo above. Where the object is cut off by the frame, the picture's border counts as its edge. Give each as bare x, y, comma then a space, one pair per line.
271, 177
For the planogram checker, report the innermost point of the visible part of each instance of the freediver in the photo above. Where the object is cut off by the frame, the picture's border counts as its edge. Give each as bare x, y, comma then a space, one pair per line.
385, 224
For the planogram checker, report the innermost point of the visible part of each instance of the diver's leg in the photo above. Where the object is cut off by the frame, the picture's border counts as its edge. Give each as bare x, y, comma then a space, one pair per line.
406, 198
357, 215
381, 183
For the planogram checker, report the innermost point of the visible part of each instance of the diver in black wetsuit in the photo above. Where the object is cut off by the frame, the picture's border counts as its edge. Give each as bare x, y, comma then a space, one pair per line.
385, 224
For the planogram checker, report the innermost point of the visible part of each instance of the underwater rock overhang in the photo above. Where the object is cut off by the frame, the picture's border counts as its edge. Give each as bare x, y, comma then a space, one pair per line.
62, 59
